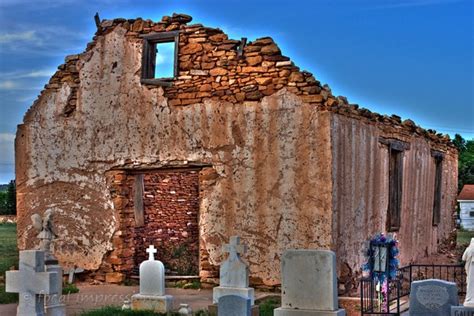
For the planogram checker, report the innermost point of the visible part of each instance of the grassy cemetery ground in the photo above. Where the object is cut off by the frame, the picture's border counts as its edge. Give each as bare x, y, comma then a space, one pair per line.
464, 238
8, 258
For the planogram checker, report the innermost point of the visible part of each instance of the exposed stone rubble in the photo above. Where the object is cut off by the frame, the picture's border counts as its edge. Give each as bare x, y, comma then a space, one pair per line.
209, 67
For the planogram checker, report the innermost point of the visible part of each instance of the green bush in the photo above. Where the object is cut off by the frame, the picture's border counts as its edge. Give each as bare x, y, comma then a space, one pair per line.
69, 288
267, 306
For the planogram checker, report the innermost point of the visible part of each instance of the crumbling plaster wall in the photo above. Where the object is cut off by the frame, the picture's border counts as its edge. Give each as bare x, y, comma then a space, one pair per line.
272, 159
361, 192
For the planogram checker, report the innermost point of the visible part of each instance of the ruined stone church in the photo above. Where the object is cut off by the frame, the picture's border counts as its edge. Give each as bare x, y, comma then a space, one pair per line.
237, 140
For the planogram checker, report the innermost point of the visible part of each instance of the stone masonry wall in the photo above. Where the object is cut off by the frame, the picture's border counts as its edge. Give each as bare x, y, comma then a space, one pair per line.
360, 194
171, 206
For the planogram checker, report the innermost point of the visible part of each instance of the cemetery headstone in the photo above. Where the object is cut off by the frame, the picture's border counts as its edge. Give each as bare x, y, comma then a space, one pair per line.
432, 297
53, 305
468, 257
152, 286
462, 311
309, 284
233, 305
234, 273
32, 282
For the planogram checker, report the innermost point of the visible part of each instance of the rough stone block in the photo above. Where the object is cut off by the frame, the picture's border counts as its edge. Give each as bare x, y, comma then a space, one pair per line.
158, 304
219, 291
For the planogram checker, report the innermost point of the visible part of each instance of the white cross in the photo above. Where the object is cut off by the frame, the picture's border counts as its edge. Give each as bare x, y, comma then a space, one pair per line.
32, 282
234, 248
151, 251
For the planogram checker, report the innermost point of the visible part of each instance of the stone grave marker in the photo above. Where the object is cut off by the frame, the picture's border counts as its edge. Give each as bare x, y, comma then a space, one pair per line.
462, 311
433, 297
152, 286
32, 282
234, 277
309, 284
233, 305
234, 273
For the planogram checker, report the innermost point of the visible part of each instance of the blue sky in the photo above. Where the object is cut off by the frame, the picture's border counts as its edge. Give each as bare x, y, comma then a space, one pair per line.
413, 58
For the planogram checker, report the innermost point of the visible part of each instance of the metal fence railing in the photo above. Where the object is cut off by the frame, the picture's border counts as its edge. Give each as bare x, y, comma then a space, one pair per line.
400, 286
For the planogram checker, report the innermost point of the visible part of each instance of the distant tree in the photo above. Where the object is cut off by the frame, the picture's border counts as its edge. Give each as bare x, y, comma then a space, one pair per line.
465, 160
8, 200
459, 142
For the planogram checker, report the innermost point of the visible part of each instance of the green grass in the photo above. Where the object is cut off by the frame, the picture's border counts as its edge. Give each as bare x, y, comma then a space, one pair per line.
267, 306
464, 237
70, 288
8, 258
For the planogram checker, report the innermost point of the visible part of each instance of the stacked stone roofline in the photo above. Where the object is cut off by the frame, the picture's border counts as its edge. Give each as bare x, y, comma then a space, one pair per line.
213, 66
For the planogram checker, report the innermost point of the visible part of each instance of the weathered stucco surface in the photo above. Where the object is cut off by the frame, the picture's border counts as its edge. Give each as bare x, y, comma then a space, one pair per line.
361, 193
272, 160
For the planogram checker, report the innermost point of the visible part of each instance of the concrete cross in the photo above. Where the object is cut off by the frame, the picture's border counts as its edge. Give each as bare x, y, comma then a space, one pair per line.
32, 282
235, 248
151, 251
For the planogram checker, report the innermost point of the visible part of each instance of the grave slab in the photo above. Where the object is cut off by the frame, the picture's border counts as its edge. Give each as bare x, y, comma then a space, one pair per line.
309, 283
462, 311
233, 305
432, 297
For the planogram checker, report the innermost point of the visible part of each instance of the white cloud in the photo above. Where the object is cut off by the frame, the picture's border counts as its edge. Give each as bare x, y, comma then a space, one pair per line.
28, 74
8, 85
28, 36
7, 151
411, 3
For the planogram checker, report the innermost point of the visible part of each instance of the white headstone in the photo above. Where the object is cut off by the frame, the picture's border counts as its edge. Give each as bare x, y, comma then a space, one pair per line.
152, 275
152, 286
32, 282
309, 283
234, 273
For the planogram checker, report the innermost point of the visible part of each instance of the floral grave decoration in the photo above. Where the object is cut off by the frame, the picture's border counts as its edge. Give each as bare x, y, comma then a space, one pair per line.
381, 254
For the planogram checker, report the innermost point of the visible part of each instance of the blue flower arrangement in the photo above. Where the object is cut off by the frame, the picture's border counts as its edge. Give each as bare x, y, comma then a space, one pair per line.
391, 244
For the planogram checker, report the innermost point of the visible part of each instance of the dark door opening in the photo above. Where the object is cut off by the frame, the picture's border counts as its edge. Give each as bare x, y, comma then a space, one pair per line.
170, 219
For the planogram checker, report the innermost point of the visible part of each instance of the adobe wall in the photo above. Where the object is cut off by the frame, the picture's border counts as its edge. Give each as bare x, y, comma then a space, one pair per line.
264, 149
360, 190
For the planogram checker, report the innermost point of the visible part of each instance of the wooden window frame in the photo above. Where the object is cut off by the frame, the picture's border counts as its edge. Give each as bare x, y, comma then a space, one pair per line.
437, 196
395, 189
396, 149
149, 57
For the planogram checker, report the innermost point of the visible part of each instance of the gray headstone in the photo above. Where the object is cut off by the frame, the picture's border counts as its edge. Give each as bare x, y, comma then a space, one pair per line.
462, 311
309, 283
32, 282
433, 297
233, 305
234, 272
309, 280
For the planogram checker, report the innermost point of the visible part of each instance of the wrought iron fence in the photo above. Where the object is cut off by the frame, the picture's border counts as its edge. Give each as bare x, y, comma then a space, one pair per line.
400, 287
370, 300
